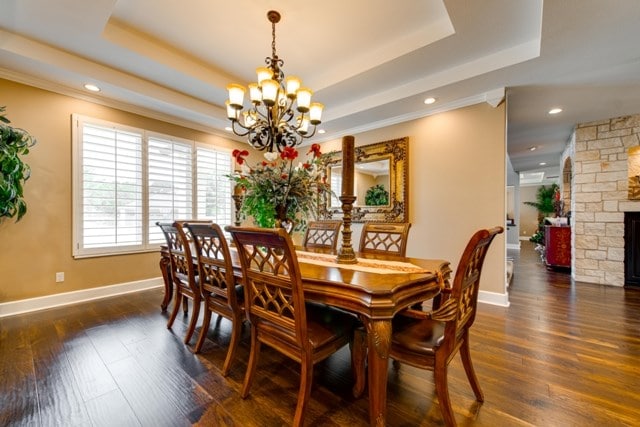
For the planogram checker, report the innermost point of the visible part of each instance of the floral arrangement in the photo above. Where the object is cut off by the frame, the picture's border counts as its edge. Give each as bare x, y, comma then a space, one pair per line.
279, 193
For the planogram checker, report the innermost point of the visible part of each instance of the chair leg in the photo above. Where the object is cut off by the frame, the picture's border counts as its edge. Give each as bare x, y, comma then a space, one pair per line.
176, 307
306, 379
236, 331
204, 330
251, 366
193, 322
465, 355
442, 391
358, 361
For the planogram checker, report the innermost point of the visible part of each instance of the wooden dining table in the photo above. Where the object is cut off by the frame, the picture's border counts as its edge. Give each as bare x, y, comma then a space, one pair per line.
375, 297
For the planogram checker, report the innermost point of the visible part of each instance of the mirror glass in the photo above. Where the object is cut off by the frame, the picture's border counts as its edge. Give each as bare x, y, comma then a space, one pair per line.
371, 183
380, 180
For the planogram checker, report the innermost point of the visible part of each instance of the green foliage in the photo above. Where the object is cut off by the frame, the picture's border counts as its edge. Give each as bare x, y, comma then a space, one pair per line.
544, 200
275, 189
376, 196
538, 237
13, 171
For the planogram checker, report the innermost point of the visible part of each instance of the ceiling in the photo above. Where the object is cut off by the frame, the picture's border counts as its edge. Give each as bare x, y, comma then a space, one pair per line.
370, 62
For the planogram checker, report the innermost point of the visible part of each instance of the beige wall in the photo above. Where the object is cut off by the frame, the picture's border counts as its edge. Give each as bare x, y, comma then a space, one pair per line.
34, 249
456, 185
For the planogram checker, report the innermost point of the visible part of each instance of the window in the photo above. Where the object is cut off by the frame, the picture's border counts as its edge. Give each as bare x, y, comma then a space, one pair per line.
127, 179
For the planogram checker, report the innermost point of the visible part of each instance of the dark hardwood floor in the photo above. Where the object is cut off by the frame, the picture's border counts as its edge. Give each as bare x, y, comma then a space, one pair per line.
563, 354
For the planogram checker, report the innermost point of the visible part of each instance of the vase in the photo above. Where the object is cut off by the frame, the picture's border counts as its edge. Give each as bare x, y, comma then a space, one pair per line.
281, 219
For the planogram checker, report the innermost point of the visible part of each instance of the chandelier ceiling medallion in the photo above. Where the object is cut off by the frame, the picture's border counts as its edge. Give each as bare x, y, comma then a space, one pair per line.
271, 123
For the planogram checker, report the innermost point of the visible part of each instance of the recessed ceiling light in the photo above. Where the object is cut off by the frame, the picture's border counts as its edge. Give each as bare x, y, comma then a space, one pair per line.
555, 111
430, 100
542, 163
321, 131
92, 87
534, 148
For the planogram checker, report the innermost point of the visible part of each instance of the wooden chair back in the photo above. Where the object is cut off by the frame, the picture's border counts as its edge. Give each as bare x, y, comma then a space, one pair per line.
275, 306
182, 268
183, 273
215, 269
322, 234
382, 238
274, 299
430, 340
217, 283
459, 310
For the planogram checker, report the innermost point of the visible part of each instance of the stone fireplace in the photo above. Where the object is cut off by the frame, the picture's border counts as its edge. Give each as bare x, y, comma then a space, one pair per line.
599, 189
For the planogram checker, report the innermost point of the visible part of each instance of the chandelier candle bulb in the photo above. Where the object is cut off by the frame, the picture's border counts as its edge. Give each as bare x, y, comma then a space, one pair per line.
232, 113
304, 125
236, 95
269, 91
315, 113
348, 155
304, 99
254, 93
264, 73
293, 84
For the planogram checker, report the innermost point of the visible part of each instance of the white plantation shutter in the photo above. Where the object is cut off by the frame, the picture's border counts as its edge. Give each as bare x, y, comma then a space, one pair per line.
170, 183
124, 181
111, 189
214, 186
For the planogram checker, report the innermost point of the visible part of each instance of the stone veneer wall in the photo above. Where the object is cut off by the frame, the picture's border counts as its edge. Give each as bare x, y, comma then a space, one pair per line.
599, 188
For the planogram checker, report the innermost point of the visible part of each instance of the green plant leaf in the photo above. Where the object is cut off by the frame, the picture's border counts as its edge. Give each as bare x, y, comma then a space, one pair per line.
13, 171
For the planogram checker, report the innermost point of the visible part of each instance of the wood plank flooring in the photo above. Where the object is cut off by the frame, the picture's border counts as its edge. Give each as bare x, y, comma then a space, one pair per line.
562, 354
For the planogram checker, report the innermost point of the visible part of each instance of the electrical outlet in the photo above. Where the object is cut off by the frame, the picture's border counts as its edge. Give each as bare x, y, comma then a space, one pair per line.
60, 276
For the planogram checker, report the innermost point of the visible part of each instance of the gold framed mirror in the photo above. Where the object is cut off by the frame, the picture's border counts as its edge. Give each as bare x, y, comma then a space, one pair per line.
380, 183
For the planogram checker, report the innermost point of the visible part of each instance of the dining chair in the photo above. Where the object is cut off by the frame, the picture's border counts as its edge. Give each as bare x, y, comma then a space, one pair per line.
322, 234
430, 340
384, 238
276, 308
218, 288
183, 273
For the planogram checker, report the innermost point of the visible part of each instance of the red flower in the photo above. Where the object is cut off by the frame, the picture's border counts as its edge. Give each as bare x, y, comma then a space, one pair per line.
239, 155
306, 165
284, 176
315, 149
289, 153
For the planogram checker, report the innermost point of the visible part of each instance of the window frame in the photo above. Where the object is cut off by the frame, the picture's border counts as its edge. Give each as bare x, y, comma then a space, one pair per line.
78, 122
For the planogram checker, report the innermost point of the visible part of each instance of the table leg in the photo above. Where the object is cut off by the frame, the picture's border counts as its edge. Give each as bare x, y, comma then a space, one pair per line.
379, 337
165, 268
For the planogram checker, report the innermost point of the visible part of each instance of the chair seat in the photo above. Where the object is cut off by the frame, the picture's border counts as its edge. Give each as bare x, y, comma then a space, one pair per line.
422, 336
326, 324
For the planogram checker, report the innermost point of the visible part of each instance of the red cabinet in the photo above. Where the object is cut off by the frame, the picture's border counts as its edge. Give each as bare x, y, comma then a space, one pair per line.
557, 246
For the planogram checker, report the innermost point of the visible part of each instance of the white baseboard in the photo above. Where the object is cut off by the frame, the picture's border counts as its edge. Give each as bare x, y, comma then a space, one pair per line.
57, 300
494, 298
515, 246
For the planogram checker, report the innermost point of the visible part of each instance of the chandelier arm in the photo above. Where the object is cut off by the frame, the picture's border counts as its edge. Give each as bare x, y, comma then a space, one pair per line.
239, 132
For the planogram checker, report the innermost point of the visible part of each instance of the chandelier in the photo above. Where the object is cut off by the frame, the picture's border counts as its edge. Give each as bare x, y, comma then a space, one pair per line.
271, 123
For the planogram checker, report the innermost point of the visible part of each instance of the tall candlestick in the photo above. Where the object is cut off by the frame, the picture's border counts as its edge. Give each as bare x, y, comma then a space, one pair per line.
346, 255
348, 154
